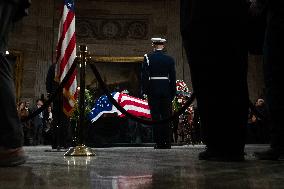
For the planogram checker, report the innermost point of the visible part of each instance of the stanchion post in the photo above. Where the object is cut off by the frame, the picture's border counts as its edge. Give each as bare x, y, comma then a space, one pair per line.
81, 149
83, 53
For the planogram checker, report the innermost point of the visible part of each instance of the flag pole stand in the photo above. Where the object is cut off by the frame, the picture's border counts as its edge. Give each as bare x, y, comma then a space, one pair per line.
81, 149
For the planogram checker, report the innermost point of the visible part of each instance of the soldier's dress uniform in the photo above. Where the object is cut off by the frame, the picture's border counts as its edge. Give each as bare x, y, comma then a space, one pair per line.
158, 83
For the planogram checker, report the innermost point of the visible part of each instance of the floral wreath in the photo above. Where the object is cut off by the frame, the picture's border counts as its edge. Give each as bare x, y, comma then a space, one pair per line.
182, 88
182, 92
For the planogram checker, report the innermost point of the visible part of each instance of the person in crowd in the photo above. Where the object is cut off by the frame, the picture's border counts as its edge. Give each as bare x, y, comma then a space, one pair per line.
11, 133
214, 36
251, 135
38, 124
159, 84
261, 122
273, 75
48, 125
257, 131
23, 113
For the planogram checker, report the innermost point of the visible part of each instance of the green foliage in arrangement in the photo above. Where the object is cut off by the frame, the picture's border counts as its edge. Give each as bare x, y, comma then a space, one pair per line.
88, 105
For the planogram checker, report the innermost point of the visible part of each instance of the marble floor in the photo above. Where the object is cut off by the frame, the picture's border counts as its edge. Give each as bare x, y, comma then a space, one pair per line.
140, 168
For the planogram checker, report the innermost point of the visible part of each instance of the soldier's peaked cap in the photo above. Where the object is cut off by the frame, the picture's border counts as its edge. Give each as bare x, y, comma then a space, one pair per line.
158, 40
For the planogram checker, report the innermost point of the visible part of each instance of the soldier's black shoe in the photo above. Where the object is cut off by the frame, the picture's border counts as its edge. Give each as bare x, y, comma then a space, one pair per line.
271, 154
210, 155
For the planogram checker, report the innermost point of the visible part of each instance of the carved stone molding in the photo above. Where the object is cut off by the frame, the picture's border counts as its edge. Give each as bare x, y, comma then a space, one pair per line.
119, 28
137, 30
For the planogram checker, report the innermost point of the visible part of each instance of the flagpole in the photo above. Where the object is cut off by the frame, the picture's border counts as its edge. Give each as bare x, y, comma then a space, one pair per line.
81, 149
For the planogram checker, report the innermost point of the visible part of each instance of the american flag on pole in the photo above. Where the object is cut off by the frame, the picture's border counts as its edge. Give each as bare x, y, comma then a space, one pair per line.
135, 106
66, 54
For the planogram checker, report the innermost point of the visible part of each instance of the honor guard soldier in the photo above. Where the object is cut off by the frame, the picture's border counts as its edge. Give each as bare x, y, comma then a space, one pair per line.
159, 84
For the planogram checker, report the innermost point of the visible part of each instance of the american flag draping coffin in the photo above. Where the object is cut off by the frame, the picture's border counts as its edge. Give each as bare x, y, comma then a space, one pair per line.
135, 106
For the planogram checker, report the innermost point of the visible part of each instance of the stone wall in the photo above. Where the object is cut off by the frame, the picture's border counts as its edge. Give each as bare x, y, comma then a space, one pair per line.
109, 28
33, 36
255, 77
124, 28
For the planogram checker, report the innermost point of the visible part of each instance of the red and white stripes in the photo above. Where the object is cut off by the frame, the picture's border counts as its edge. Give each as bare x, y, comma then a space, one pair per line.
66, 54
135, 106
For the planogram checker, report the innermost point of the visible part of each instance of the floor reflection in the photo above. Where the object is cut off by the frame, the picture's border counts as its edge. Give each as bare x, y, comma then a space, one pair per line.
107, 182
140, 169
21, 178
121, 182
78, 161
209, 175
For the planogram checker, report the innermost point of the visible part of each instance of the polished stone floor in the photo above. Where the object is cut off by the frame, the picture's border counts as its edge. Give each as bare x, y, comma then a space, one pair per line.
141, 168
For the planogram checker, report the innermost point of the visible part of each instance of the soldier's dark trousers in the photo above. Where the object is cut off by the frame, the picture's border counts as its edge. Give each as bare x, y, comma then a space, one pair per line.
11, 133
273, 73
160, 109
217, 54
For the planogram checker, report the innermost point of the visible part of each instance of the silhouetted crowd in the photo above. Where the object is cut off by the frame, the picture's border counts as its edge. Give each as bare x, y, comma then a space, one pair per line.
38, 130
